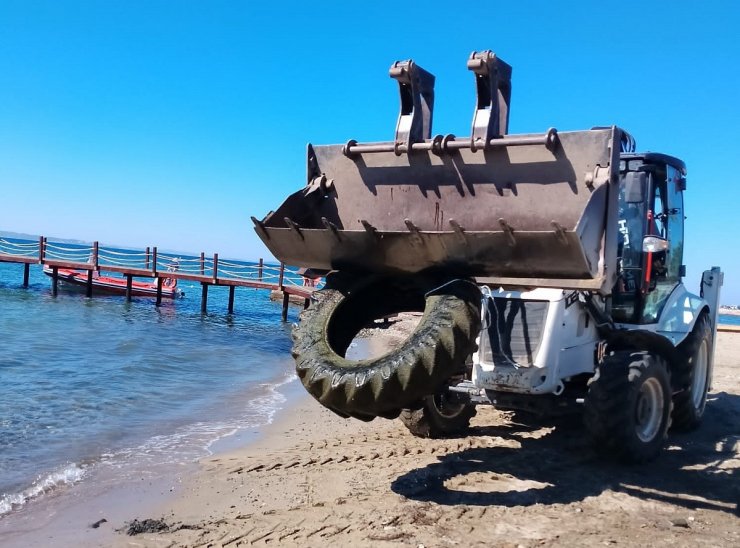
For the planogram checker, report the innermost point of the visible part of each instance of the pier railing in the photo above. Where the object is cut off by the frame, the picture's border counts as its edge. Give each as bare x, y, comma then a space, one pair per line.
150, 263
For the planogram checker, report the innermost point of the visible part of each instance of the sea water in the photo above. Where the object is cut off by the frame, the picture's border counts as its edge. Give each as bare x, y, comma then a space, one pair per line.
729, 319
89, 384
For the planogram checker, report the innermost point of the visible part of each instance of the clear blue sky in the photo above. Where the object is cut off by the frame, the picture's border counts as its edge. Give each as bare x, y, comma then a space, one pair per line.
170, 123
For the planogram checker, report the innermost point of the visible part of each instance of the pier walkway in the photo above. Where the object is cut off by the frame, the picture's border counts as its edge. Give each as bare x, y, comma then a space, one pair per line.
209, 271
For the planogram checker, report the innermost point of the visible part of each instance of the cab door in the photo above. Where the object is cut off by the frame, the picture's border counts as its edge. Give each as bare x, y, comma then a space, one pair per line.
650, 205
664, 268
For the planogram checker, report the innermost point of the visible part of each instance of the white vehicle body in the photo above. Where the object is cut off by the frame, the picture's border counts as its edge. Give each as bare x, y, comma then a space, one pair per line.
535, 341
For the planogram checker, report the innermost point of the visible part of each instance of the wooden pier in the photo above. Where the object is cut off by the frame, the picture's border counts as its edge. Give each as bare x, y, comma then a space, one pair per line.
208, 271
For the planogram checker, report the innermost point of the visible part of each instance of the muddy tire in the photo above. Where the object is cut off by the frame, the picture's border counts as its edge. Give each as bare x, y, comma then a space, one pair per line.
439, 416
627, 410
382, 386
692, 375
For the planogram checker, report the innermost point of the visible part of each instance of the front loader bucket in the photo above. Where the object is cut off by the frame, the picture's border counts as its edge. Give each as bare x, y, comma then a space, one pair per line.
521, 214
516, 210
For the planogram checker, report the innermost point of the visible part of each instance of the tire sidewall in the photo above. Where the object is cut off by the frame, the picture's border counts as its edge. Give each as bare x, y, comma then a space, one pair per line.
686, 414
705, 337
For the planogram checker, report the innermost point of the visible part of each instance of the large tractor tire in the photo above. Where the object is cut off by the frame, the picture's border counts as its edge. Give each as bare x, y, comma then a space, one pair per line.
440, 415
692, 375
382, 386
627, 410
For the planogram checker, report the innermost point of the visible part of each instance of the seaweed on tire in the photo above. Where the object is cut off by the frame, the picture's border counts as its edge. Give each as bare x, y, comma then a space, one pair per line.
382, 386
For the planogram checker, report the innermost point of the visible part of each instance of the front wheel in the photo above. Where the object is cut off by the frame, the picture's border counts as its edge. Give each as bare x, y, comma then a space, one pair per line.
628, 407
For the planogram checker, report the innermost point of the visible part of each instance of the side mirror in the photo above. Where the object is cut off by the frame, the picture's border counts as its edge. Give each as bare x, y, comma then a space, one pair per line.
654, 244
634, 187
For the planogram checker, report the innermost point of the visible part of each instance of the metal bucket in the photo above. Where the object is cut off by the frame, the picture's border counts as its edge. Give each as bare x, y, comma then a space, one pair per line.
528, 210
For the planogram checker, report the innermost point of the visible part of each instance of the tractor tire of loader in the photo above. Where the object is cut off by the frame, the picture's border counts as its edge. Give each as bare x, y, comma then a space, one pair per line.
627, 411
691, 376
439, 416
382, 386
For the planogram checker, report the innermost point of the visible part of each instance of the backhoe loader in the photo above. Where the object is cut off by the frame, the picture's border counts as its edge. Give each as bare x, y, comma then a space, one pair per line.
548, 267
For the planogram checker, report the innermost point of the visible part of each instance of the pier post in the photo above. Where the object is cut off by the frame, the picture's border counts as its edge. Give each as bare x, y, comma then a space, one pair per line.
154, 260
286, 301
215, 267
26, 267
203, 297
159, 286
54, 280
129, 280
286, 297
93, 268
259, 270
146, 259
96, 261
231, 298
202, 264
42, 249
88, 286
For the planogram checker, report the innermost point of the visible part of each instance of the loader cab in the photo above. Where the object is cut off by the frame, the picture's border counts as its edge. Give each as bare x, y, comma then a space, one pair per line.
650, 245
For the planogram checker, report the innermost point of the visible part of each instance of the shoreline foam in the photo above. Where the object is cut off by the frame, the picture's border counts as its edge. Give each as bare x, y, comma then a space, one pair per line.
65, 475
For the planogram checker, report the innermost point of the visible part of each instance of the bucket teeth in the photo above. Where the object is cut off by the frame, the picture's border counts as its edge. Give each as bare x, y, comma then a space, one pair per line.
332, 227
370, 229
459, 230
260, 226
294, 226
508, 230
559, 232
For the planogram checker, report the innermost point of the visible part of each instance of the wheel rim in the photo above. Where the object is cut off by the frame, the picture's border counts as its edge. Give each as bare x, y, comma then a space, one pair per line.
649, 410
699, 382
445, 407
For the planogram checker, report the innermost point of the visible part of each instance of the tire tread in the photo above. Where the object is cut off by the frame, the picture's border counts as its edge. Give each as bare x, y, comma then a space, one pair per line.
383, 386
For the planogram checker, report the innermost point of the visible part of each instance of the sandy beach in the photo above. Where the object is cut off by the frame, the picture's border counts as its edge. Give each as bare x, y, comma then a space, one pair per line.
314, 479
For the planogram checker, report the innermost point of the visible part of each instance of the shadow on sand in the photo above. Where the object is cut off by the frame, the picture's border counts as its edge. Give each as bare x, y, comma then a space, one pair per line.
699, 470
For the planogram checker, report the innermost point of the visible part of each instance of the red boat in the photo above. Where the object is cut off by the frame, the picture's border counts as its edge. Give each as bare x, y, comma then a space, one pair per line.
116, 286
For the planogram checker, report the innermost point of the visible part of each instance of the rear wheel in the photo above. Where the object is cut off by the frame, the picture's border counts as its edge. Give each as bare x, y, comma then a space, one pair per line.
628, 407
441, 415
692, 376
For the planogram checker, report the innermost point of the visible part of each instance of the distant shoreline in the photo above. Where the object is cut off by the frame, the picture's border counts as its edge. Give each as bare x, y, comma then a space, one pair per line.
729, 311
